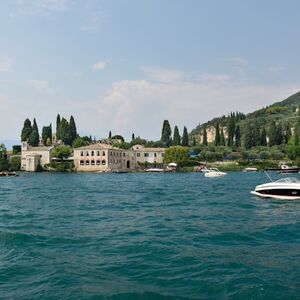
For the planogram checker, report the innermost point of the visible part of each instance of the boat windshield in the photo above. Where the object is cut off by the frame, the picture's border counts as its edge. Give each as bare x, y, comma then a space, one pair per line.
289, 180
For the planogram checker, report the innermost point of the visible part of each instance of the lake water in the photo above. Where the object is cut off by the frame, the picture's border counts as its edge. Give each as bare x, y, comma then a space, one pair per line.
146, 236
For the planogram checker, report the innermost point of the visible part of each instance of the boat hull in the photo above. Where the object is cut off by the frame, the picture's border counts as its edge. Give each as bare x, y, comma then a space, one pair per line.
276, 196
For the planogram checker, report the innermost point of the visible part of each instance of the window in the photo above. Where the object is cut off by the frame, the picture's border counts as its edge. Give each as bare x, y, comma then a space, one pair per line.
123, 154
103, 162
146, 154
81, 153
92, 153
87, 153
92, 162
162, 155
103, 153
98, 162
138, 154
82, 162
98, 153
87, 162
154, 154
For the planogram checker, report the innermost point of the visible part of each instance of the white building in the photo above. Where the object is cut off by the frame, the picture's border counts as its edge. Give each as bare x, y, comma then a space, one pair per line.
103, 158
148, 155
32, 157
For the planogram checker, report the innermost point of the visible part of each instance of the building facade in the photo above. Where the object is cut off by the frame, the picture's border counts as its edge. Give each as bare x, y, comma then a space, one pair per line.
103, 158
148, 155
33, 157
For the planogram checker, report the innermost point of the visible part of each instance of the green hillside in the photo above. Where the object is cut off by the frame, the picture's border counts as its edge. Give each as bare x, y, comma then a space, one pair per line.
285, 114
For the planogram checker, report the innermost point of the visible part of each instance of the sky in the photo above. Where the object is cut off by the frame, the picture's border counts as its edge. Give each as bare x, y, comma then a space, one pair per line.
125, 66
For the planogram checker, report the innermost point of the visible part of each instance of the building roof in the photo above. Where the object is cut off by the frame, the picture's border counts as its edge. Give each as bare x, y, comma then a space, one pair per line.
150, 149
98, 146
42, 148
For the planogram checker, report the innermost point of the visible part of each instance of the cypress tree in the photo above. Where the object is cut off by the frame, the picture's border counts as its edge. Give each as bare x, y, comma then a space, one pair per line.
166, 133
72, 129
185, 137
132, 137
237, 136
279, 135
26, 130
44, 135
248, 137
263, 137
288, 133
222, 137
194, 141
272, 134
204, 140
231, 129
256, 135
176, 137
217, 136
109, 135
58, 137
65, 133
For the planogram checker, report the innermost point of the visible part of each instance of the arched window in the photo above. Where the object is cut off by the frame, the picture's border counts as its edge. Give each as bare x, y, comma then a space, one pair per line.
87, 153
87, 162
98, 162
103, 153
82, 162
81, 153
92, 162
92, 153
103, 162
98, 153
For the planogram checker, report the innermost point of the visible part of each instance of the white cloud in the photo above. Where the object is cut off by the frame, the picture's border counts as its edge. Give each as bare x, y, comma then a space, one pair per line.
240, 61
276, 69
213, 77
40, 85
100, 65
163, 75
6, 64
94, 21
39, 7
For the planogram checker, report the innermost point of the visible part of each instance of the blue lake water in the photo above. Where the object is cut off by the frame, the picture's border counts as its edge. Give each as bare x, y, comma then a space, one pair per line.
146, 236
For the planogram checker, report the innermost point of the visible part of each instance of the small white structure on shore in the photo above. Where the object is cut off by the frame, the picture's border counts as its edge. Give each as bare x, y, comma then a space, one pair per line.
32, 157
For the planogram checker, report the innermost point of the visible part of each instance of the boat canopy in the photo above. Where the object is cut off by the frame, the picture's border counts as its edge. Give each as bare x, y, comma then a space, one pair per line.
288, 180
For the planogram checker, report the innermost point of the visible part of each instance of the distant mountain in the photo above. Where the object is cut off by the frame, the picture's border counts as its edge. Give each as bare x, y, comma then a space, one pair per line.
285, 113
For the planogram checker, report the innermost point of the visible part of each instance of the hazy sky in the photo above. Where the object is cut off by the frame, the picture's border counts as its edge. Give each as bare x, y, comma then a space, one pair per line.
127, 65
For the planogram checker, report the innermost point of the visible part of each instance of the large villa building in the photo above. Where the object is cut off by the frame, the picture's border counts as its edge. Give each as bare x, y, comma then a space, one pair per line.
99, 157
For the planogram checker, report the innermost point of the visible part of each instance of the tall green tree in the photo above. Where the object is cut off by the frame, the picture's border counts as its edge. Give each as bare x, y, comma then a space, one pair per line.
263, 137
34, 138
132, 137
65, 133
176, 137
272, 133
248, 137
109, 135
237, 136
222, 137
185, 137
166, 133
204, 139
279, 135
72, 129
4, 163
47, 135
217, 135
58, 120
288, 133
27, 128
256, 135
231, 129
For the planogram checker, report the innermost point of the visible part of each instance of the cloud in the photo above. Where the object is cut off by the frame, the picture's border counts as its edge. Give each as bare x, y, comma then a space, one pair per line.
6, 64
100, 65
40, 85
140, 106
39, 7
276, 69
163, 75
94, 21
213, 77
240, 61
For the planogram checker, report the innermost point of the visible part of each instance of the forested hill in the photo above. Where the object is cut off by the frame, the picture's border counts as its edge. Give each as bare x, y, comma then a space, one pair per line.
285, 114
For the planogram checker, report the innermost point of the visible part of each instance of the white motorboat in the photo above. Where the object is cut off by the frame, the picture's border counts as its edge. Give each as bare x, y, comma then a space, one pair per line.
250, 169
213, 172
155, 170
284, 189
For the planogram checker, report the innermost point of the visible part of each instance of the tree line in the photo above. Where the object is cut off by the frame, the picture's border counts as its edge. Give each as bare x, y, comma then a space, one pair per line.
176, 140
65, 131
